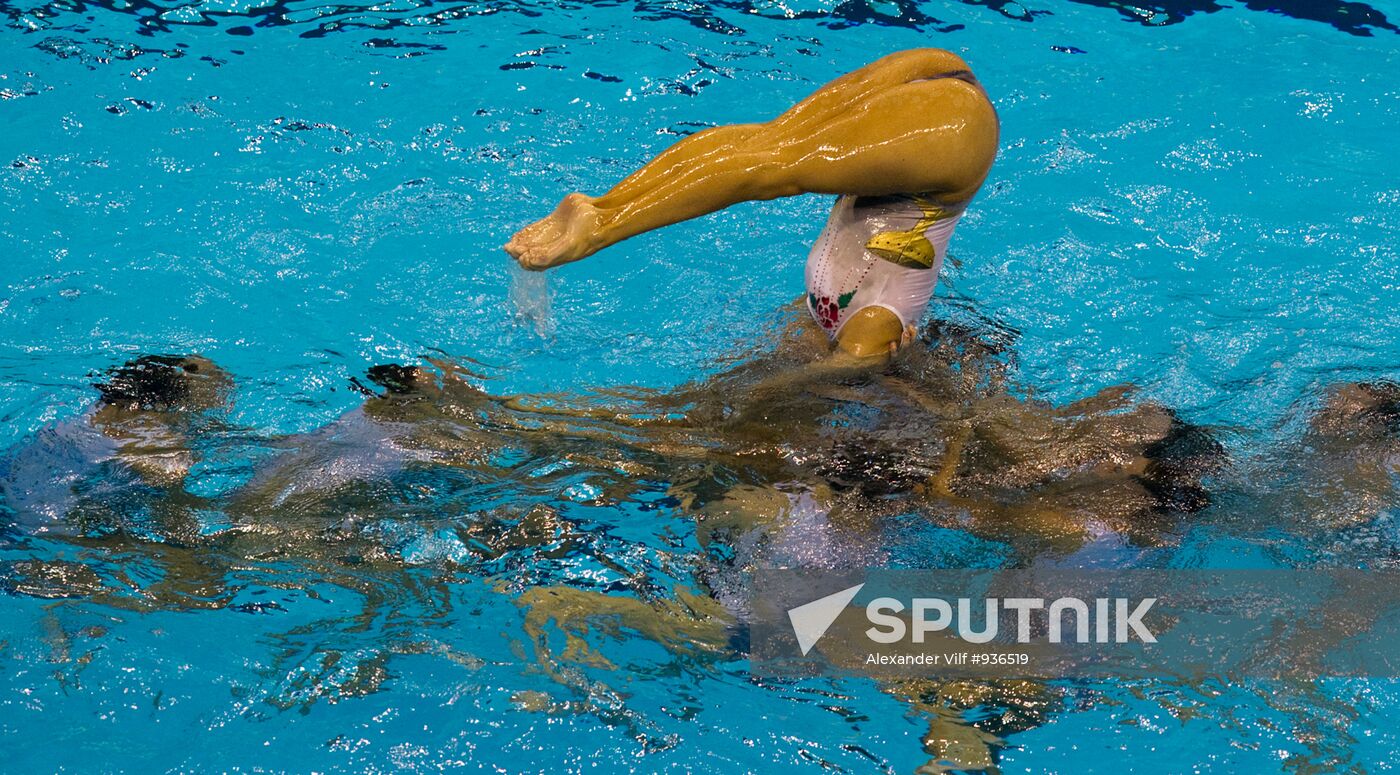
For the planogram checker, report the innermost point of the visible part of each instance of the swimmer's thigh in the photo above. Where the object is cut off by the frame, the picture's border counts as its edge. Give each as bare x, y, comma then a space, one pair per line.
935, 136
870, 331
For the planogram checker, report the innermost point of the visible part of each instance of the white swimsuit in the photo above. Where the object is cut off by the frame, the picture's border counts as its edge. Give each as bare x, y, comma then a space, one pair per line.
878, 252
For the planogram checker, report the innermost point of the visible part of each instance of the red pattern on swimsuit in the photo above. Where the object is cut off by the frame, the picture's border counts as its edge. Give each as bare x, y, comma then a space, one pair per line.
827, 310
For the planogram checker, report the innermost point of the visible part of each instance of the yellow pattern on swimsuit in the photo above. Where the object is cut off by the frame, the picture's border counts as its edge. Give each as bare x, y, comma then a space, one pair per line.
910, 248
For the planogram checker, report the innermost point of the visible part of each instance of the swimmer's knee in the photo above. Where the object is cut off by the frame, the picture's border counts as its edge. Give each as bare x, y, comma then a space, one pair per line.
961, 96
966, 151
745, 137
935, 63
773, 173
870, 332
919, 63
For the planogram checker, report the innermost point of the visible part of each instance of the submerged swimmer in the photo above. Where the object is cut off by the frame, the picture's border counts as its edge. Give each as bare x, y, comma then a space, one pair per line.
905, 143
138, 433
1338, 481
405, 478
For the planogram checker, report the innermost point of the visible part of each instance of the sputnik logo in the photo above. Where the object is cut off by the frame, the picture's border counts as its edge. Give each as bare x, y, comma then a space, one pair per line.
810, 621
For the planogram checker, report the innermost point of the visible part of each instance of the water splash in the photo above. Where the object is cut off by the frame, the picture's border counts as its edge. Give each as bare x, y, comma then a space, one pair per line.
531, 298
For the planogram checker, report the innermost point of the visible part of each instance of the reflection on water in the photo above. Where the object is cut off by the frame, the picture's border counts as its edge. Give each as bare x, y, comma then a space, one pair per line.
721, 17
433, 482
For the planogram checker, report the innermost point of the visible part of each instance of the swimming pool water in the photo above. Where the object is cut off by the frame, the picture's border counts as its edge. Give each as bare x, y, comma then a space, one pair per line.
1198, 198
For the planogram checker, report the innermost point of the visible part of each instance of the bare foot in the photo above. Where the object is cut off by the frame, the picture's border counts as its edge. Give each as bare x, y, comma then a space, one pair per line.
546, 228
565, 235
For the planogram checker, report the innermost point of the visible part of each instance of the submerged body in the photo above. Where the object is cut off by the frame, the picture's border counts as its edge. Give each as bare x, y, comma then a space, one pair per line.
819, 474
135, 441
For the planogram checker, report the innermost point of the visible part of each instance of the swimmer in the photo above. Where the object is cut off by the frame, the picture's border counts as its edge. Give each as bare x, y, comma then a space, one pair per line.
140, 428
414, 421
904, 142
1339, 479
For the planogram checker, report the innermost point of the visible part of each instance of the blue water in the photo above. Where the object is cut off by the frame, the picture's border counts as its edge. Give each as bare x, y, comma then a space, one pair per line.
1201, 199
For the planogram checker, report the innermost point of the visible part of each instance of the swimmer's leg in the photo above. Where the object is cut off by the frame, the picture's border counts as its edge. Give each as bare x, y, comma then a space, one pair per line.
740, 510
689, 625
818, 109
893, 127
874, 331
